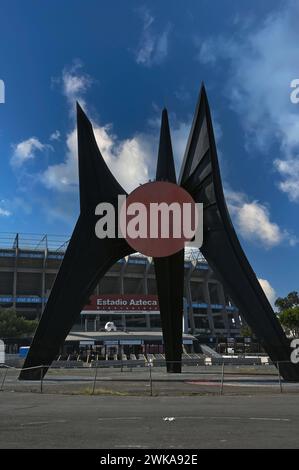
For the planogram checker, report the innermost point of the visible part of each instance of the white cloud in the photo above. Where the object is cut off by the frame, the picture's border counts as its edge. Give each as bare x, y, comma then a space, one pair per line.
207, 51
4, 212
26, 150
132, 160
14, 206
127, 159
289, 170
153, 46
55, 136
269, 291
74, 82
64, 176
253, 222
262, 63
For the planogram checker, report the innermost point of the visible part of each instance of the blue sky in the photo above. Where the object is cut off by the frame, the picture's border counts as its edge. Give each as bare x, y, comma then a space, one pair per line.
125, 61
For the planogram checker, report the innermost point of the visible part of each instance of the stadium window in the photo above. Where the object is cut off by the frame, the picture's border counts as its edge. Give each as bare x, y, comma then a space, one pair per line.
135, 321
152, 286
213, 290
201, 322
133, 286
202, 311
109, 285
218, 322
155, 321
197, 292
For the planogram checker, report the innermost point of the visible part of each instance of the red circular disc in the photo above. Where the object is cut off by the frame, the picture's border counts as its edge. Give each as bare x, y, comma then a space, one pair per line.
156, 217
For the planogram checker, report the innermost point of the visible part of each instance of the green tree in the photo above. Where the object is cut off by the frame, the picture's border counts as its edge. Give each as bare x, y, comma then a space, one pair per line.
289, 318
290, 301
12, 326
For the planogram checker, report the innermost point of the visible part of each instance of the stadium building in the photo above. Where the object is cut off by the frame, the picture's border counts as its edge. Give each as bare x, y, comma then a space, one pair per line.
126, 296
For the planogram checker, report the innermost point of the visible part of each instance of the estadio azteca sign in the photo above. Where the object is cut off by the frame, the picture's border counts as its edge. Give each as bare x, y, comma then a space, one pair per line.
117, 302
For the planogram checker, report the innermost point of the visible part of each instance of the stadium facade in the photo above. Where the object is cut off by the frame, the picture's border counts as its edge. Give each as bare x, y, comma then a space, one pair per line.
29, 264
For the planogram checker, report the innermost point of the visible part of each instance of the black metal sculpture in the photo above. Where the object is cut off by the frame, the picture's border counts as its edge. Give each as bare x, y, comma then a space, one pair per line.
200, 176
170, 269
87, 258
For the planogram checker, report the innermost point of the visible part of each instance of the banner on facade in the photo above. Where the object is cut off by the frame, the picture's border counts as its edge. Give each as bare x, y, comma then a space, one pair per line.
128, 302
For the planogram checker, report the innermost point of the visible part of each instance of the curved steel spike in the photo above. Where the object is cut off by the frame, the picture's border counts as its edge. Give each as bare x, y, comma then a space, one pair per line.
87, 257
200, 176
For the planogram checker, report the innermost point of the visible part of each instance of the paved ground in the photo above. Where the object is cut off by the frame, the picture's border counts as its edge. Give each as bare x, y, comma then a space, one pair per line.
32, 420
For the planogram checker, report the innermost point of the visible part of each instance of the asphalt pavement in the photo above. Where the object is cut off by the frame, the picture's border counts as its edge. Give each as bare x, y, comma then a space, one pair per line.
33, 420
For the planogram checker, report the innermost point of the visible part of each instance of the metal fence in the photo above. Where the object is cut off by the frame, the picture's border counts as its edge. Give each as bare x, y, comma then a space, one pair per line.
149, 378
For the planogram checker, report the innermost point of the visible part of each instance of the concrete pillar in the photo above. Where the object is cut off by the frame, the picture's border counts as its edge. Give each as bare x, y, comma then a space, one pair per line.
189, 296
122, 289
206, 294
145, 287
223, 312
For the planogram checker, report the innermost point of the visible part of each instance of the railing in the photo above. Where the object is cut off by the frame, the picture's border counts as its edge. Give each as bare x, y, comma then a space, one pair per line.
33, 241
149, 374
58, 244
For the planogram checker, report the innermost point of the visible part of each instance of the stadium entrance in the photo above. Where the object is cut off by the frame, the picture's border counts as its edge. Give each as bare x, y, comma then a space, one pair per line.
117, 325
116, 344
134, 312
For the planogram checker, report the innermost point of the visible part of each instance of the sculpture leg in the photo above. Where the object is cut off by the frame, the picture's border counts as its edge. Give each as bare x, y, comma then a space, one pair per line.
200, 176
84, 263
170, 286
87, 257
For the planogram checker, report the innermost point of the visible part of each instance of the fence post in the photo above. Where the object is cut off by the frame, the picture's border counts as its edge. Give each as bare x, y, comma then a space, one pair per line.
222, 379
279, 377
95, 378
3, 380
150, 365
41, 378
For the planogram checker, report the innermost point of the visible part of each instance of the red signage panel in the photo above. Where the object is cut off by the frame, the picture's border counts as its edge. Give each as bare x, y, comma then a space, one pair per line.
120, 302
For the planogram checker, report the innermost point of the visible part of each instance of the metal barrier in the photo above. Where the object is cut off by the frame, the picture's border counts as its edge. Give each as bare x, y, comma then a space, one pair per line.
148, 367
6, 367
